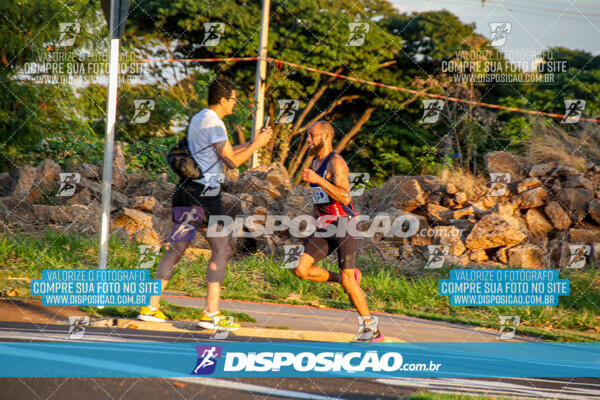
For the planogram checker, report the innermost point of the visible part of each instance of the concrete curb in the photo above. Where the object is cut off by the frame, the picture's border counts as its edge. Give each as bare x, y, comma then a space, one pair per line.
267, 333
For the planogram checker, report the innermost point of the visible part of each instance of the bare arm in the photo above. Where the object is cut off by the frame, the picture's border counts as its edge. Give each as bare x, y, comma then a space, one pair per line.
241, 147
233, 157
225, 151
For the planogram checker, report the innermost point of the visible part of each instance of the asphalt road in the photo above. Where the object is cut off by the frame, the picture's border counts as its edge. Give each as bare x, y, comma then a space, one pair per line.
404, 328
189, 388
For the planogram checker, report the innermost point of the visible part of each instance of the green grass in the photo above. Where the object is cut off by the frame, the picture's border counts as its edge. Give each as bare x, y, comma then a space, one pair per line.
179, 313
260, 278
444, 396
117, 312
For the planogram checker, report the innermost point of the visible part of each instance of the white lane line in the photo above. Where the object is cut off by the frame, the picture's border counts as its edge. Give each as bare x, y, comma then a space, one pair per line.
492, 393
569, 383
132, 334
248, 387
565, 386
511, 389
488, 386
58, 338
89, 337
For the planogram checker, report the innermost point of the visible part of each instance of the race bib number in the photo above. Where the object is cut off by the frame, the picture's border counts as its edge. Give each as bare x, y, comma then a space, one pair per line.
319, 196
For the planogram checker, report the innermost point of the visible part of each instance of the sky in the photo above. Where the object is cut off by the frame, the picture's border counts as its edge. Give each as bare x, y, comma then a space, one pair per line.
536, 24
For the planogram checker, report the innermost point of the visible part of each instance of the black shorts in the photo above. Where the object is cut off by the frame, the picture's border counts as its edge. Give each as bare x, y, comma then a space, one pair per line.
192, 205
189, 193
319, 247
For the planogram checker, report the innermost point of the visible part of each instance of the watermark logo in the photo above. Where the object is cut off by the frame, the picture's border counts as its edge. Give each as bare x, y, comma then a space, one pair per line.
498, 183
77, 326
291, 255
212, 187
207, 359
70, 65
508, 326
302, 226
143, 109
68, 183
431, 111
68, 33
578, 256
148, 255
437, 255
573, 111
373, 324
499, 32
511, 66
327, 361
187, 220
221, 332
358, 182
358, 33
212, 33
287, 111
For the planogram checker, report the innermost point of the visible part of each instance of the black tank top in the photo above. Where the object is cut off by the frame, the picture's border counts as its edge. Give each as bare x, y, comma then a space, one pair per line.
329, 210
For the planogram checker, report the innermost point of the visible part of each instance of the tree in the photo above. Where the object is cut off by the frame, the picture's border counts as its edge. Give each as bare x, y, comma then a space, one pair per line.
311, 33
30, 111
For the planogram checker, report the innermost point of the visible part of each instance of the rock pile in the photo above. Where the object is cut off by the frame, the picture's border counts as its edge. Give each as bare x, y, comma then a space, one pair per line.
521, 215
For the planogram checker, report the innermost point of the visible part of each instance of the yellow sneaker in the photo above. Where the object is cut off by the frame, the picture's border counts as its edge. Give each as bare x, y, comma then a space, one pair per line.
218, 321
147, 314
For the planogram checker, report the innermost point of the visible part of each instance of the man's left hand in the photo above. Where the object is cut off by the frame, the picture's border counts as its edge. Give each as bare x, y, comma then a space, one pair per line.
310, 176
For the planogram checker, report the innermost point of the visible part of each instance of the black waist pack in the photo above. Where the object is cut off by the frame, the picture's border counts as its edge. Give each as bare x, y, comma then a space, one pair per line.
181, 161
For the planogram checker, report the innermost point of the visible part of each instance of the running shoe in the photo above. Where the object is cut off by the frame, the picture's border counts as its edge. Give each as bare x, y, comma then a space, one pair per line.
217, 321
369, 333
147, 314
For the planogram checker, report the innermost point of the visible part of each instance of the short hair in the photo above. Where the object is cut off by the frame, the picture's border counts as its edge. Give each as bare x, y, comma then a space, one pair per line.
326, 127
218, 89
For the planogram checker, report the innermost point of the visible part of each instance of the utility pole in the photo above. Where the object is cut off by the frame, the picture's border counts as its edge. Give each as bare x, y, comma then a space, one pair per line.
261, 76
116, 15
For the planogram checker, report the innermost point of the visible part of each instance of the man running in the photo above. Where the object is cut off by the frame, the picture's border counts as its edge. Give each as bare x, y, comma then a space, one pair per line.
330, 187
193, 204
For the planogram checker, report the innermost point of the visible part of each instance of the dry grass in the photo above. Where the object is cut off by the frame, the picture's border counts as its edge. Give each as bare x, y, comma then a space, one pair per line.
465, 181
551, 142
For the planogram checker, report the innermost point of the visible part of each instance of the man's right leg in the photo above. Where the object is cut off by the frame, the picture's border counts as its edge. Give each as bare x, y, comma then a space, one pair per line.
167, 265
307, 269
315, 248
220, 253
164, 272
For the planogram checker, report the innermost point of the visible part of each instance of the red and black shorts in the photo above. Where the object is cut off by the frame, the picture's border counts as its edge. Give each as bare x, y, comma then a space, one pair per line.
319, 247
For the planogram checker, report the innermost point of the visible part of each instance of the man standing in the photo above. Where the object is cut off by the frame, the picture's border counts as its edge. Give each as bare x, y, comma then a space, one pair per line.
333, 205
194, 201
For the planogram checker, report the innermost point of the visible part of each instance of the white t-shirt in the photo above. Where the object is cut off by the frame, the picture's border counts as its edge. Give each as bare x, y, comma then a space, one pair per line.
205, 129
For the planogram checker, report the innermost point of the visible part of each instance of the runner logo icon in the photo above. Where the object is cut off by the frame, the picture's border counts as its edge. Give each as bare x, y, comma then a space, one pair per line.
579, 254
431, 111
573, 110
68, 184
68, 33
287, 111
291, 255
499, 183
207, 359
358, 33
499, 33
212, 33
437, 255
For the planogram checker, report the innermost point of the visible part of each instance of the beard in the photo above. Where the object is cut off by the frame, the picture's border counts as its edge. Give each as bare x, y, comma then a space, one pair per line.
315, 149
